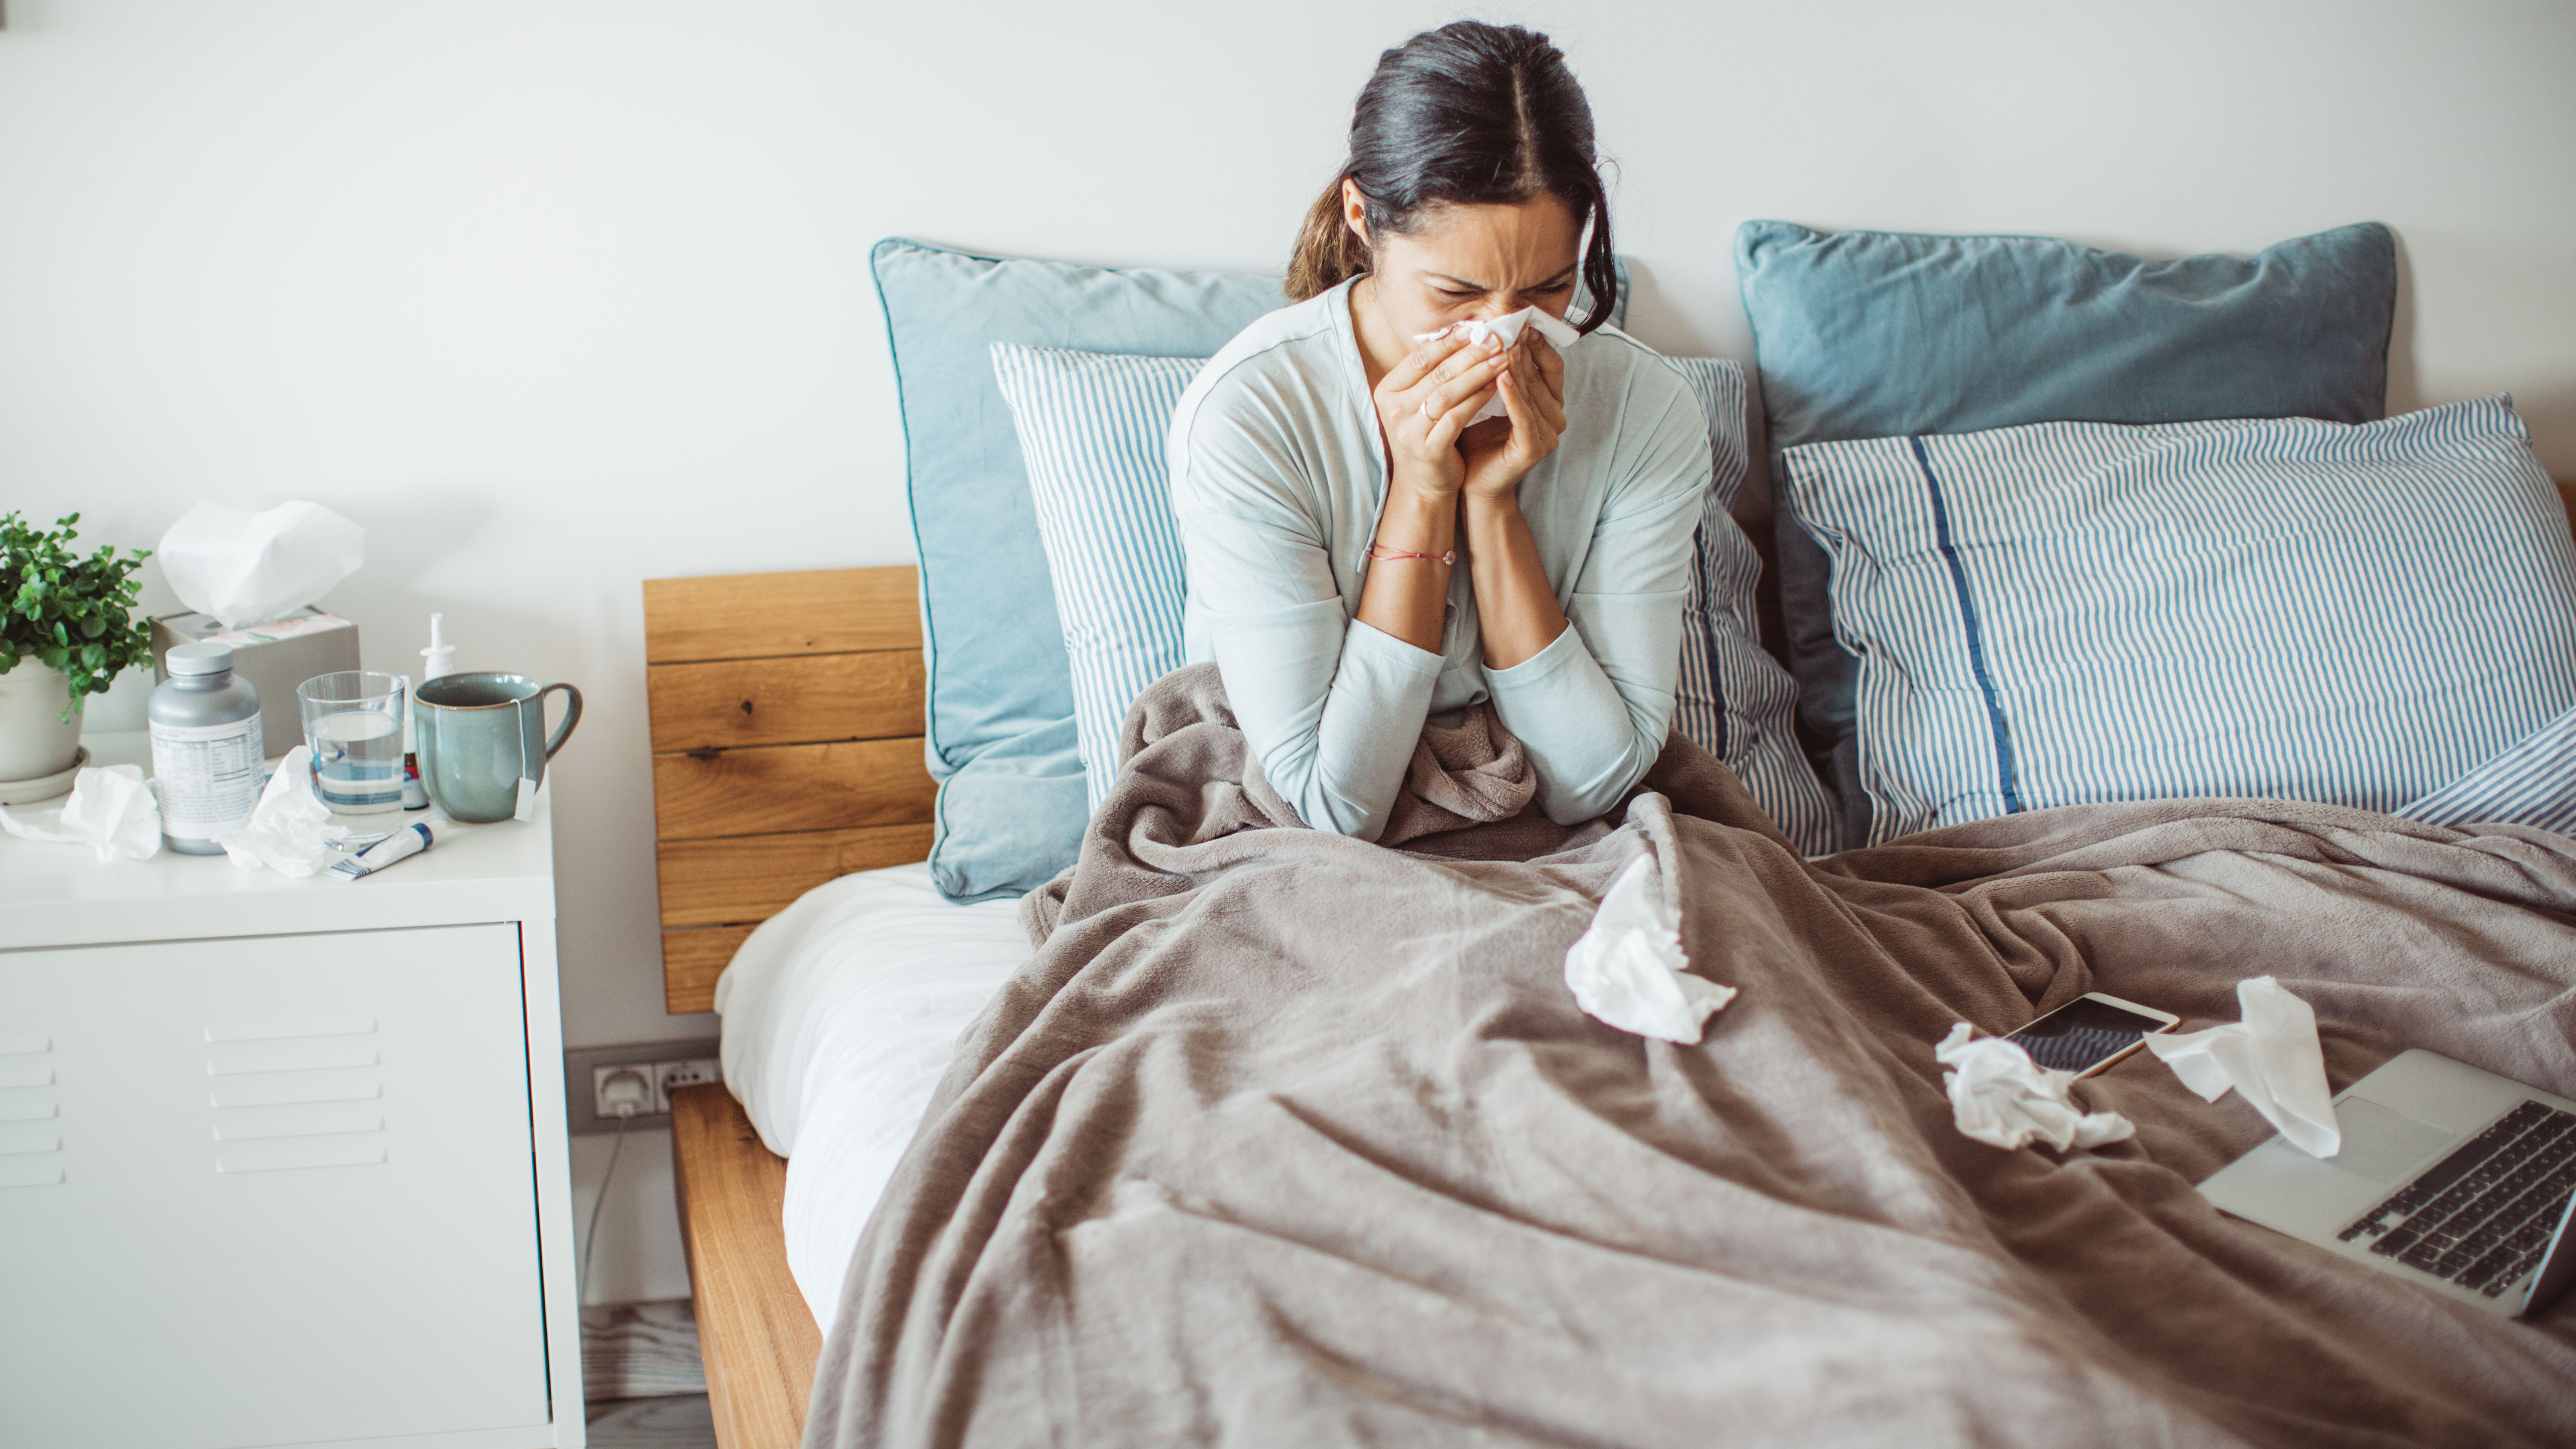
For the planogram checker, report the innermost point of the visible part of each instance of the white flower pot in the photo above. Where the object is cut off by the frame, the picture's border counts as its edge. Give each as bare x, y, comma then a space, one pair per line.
33, 741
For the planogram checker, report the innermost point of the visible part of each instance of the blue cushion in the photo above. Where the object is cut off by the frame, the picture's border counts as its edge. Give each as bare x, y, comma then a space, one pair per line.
1092, 428
1880, 334
2070, 613
1733, 699
1001, 737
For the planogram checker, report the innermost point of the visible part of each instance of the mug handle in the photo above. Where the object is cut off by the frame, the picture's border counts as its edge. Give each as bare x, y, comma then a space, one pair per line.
572, 714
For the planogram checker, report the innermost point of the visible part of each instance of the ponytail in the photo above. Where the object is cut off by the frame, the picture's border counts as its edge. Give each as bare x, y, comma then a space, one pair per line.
1468, 114
1328, 253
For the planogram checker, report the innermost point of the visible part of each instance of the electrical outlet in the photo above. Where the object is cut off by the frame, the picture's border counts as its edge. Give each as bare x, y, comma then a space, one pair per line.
667, 1075
647, 1097
582, 1077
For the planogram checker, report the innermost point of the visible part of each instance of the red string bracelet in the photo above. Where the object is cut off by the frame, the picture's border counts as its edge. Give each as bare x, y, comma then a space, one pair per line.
1381, 551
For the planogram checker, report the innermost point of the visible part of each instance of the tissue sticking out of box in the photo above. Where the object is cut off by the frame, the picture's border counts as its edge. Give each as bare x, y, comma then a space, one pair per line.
1628, 968
249, 568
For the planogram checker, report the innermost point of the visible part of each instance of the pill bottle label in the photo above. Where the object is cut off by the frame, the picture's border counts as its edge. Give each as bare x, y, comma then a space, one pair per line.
209, 776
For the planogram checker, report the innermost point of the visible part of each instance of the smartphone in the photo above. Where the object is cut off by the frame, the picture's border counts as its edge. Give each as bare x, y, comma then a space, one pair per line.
2091, 1032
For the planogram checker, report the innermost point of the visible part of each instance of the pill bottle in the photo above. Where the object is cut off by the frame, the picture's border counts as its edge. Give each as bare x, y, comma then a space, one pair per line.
206, 755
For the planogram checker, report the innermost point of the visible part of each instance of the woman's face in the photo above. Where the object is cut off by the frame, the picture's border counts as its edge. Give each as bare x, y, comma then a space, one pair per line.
1464, 261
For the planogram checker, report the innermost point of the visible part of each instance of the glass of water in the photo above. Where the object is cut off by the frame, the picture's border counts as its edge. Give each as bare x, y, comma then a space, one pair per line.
353, 719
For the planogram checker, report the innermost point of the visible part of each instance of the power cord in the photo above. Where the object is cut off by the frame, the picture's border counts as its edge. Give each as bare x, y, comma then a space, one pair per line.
626, 1092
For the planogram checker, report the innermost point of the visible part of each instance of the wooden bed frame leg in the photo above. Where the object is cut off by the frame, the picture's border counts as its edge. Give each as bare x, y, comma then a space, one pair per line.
758, 1339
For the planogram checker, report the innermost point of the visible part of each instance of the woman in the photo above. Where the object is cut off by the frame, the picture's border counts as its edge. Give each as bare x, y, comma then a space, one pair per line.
1362, 554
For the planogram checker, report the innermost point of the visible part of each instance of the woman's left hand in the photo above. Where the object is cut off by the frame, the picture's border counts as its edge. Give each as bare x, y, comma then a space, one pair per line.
1501, 451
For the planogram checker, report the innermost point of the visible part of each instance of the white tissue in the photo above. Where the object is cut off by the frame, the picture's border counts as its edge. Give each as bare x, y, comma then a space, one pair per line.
111, 811
290, 831
254, 568
1509, 328
1999, 1096
2271, 1056
1628, 968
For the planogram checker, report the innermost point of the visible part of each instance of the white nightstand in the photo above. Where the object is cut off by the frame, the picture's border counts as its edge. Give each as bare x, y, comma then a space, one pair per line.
283, 1161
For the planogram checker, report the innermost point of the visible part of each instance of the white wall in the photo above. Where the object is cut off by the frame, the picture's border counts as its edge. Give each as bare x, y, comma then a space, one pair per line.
558, 297
639, 1257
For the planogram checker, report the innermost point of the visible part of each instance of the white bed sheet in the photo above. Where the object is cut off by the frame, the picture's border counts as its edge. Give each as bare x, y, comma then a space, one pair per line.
840, 1014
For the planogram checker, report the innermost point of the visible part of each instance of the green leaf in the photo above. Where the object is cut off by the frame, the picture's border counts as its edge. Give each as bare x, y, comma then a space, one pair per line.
51, 595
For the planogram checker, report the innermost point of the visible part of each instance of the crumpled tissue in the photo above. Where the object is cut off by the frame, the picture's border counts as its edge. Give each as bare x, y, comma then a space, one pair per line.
251, 568
2271, 1056
112, 811
1999, 1096
1559, 333
1628, 968
290, 831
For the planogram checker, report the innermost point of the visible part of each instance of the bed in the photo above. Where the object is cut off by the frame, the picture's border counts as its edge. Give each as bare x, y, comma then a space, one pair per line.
814, 798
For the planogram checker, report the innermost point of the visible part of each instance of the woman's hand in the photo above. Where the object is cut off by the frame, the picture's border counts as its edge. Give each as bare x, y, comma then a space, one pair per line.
1423, 406
1499, 452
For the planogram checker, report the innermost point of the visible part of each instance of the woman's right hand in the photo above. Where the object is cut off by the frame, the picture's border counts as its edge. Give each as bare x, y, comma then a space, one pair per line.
1425, 403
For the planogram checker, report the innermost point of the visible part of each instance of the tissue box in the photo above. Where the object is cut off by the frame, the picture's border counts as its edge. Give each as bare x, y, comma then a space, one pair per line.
274, 657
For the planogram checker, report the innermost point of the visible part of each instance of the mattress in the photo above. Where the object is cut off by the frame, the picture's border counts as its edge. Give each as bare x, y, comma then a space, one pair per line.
840, 1014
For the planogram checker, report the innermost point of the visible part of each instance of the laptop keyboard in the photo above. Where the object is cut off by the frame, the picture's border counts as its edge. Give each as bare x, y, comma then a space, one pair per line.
2483, 1216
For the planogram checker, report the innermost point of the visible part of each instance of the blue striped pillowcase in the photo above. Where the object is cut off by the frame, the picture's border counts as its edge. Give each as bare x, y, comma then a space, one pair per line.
2069, 613
1092, 425
1735, 701
2533, 784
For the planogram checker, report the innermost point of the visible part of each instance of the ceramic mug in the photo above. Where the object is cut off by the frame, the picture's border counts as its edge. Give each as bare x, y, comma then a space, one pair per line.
480, 734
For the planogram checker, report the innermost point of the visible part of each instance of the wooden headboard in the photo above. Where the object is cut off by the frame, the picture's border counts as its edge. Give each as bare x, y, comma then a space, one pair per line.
786, 720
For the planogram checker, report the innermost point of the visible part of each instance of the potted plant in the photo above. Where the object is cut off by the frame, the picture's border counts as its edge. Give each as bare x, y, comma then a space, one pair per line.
67, 627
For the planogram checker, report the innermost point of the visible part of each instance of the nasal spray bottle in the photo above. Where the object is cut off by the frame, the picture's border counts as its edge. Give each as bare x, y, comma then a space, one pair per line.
439, 658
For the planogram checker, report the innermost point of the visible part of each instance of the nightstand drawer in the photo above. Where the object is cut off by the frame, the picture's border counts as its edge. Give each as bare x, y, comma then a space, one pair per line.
268, 1190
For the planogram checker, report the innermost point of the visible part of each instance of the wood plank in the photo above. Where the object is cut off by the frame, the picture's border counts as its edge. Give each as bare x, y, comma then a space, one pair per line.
754, 616
758, 1339
692, 959
804, 699
770, 788
748, 879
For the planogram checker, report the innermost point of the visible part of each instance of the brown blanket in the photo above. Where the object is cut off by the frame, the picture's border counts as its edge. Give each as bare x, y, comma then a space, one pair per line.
1286, 1138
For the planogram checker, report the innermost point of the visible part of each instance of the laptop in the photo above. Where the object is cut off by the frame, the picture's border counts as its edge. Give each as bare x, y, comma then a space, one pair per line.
2452, 1178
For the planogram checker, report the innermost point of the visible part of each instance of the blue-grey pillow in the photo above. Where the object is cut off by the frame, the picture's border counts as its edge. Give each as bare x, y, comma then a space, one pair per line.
1000, 728
1863, 334
2072, 613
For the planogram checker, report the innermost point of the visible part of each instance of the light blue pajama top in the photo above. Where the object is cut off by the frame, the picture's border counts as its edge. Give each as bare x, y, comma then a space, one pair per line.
1278, 474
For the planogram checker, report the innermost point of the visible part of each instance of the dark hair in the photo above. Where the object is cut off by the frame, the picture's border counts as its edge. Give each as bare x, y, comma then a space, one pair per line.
1467, 114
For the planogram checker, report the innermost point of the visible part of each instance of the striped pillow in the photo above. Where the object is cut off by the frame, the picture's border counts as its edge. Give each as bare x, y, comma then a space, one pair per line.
2533, 784
1735, 701
2068, 613
1091, 427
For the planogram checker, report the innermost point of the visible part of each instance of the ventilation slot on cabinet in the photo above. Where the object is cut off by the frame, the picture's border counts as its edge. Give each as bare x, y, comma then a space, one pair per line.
295, 1093
31, 1139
